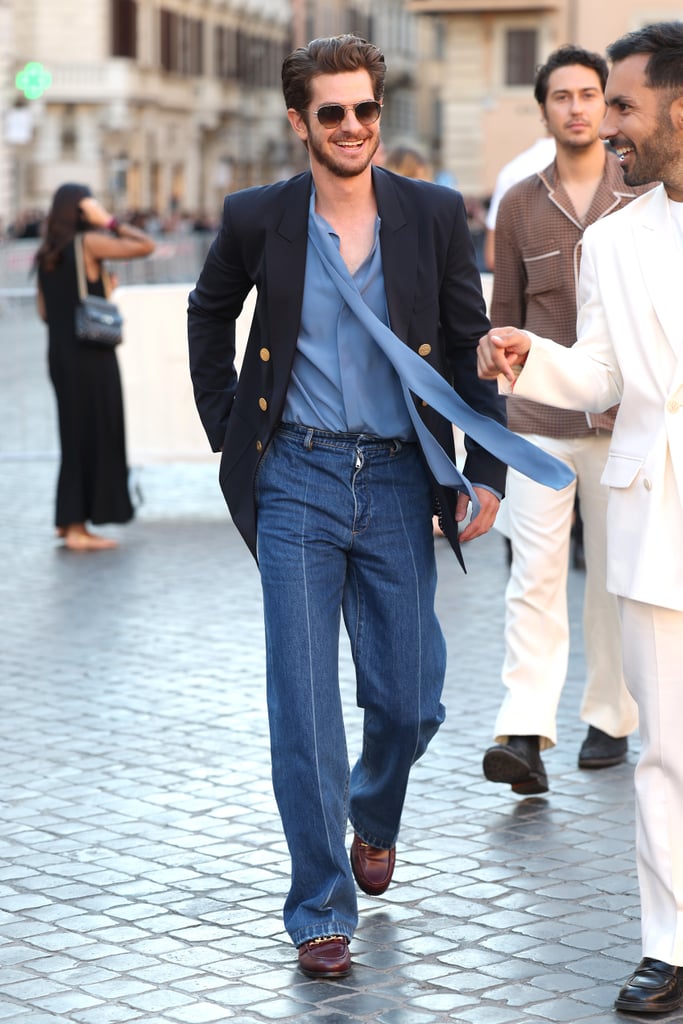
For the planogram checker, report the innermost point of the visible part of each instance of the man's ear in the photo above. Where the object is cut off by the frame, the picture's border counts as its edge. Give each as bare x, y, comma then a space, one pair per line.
298, 123
676, 112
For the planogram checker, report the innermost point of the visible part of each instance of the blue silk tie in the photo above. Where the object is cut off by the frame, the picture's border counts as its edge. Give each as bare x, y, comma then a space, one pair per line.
417, 376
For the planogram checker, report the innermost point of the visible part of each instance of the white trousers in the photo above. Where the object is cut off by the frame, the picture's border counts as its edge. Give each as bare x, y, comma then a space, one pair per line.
536, 617
653, 656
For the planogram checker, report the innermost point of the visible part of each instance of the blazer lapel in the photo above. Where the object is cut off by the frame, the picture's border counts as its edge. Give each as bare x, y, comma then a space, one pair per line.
656, 250
285, 265
398, 241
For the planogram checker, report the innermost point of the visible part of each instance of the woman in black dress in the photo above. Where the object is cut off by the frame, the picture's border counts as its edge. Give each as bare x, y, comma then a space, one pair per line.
93, 476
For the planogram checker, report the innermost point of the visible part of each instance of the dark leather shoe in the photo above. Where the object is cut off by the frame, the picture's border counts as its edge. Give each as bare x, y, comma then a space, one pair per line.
372, 867
519, 763
326, 957
654, 987
599, 750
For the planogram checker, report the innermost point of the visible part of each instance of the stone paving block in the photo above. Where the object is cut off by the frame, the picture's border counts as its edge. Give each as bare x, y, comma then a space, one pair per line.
12, 1011
33, 1016
116, 988
157, 999
111, 1013
489, 1015
65, 1002
201, 1013
403, 1016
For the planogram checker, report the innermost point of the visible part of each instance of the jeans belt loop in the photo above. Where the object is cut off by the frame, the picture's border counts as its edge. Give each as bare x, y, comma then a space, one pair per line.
308, 439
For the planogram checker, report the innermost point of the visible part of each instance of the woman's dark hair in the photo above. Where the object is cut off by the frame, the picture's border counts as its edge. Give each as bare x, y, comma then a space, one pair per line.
61, 224
568, 56
663, 42
330, 56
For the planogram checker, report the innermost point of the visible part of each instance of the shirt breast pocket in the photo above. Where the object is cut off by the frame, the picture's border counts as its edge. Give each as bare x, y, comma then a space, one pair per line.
543, 271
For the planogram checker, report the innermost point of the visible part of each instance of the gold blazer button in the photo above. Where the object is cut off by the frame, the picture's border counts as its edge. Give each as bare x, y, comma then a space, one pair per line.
259, 446
265, 354
262, 404
424, 350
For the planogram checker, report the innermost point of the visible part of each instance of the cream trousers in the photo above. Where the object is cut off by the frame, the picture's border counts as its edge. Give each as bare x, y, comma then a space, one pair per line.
653, 656
536, 616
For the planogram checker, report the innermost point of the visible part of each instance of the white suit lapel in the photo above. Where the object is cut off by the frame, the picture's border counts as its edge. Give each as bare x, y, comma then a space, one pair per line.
657, 254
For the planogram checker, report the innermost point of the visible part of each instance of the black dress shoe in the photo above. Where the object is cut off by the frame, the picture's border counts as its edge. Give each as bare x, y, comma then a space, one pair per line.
372, 867
517, 762
326, 957
654, 987
599, 750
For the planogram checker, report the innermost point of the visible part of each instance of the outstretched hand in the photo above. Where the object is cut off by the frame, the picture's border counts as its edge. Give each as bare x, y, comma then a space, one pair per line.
500, 350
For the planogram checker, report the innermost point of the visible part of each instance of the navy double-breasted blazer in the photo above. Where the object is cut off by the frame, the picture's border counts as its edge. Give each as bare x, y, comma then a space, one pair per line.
435, 304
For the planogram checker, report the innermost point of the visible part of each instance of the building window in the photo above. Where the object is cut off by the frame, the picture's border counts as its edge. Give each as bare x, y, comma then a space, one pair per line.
520, 56
182, 43
69, 133
258, 60
225, 51
123, 28
439, 31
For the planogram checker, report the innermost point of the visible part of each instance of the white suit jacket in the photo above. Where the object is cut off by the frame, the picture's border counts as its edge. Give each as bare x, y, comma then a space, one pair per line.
630, 350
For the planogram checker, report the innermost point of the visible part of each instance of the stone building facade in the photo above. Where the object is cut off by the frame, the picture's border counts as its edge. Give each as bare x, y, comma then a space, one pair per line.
482, 69
166, 105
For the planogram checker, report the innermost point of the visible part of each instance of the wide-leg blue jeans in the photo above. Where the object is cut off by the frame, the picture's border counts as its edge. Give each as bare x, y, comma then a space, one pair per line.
345, 525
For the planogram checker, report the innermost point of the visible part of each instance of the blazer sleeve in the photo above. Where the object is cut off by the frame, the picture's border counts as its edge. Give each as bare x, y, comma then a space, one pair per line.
213, 307
463, 322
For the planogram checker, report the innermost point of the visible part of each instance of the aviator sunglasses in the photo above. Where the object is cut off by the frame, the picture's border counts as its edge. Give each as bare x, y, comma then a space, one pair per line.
331, 115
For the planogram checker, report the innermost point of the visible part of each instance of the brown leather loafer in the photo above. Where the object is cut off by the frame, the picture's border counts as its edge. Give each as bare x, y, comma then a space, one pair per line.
326, 957
372, 867
654, 987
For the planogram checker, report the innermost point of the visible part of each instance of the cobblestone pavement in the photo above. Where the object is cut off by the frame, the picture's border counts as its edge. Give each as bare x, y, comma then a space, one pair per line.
142, 866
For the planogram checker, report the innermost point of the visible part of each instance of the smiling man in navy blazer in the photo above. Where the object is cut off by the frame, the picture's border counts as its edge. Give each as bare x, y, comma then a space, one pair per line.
325, 472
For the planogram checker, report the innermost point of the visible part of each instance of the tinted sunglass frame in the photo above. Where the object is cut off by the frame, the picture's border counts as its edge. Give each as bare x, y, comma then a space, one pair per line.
337, 113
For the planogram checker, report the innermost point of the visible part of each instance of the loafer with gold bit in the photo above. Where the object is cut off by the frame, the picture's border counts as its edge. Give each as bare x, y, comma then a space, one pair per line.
325, 957
372, 867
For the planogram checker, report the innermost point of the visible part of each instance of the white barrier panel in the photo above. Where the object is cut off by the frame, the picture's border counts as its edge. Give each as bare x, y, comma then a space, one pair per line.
162, 423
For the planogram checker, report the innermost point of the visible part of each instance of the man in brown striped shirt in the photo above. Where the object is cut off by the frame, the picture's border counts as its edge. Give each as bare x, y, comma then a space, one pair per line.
539, 231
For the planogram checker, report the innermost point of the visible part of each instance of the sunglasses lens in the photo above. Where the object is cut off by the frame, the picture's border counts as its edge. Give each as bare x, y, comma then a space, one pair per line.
331, 115
368, 112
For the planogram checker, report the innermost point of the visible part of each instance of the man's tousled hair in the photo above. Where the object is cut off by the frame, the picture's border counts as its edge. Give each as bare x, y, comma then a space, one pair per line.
663, 42
567, 56
330, 56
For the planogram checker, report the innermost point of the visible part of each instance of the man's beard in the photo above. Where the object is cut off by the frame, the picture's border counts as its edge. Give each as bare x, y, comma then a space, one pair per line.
655, 154
342, 170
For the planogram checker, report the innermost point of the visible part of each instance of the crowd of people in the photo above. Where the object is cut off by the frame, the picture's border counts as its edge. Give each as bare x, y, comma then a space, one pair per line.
31, 223
371, 340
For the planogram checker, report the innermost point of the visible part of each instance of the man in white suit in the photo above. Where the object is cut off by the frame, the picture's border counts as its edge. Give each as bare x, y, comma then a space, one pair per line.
630, 351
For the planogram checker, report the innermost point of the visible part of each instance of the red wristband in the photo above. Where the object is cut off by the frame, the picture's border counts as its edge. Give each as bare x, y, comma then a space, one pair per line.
113, 225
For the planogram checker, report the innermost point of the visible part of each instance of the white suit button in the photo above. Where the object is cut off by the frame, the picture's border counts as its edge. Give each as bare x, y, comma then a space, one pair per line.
647, 484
